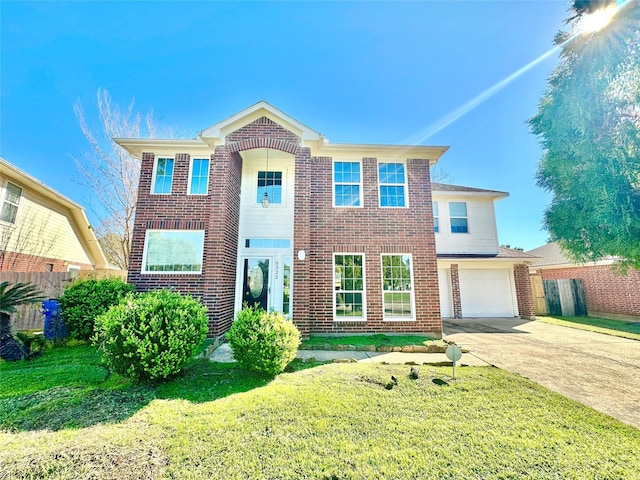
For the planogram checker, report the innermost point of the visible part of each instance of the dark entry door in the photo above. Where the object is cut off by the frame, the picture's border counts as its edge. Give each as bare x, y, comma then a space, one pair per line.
256, 282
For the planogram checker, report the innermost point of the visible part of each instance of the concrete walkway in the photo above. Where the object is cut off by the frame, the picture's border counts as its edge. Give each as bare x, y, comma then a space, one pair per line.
223, 354
598, 370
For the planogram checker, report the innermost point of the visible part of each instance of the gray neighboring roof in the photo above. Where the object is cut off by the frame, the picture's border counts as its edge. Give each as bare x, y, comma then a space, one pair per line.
549, 254
445, 187
512, 253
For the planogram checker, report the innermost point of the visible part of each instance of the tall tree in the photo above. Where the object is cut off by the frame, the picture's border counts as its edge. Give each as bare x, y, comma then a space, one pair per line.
111, 173
588, 124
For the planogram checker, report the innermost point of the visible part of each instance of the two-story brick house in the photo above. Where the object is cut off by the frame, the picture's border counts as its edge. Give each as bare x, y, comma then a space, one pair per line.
260, 208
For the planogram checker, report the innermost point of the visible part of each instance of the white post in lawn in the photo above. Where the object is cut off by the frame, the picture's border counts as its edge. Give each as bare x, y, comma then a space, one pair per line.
454, 354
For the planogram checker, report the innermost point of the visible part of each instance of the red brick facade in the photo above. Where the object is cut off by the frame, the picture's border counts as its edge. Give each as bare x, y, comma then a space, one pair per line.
319, 231
605, 291
523, 291
19, 262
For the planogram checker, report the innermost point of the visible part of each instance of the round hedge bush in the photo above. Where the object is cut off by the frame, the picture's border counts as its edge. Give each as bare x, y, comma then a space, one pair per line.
151, 336
264, 342
85, 299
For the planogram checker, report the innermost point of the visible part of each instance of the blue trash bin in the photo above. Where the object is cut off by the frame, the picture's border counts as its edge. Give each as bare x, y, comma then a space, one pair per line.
54, 326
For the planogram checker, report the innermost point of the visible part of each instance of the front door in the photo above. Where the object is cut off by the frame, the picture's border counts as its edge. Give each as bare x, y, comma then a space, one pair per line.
256, 282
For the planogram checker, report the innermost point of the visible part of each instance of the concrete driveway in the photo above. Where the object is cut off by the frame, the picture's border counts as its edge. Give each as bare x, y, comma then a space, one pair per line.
598, 370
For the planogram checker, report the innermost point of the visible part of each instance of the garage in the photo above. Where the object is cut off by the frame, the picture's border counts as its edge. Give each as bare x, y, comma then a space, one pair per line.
487, 293
444, 284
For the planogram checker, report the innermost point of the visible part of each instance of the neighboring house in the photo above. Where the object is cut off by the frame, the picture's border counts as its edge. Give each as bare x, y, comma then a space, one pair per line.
609, 294
42, 230
260, 208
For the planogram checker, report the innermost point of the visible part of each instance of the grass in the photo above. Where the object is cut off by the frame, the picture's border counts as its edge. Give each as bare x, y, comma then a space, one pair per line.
618, 328
379, 340
335, 421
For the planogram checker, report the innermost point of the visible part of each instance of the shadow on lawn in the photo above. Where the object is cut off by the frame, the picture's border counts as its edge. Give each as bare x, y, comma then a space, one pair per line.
77, 400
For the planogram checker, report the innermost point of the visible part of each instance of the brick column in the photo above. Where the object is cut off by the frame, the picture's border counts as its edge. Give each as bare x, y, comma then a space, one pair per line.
455, 291
523, 291
301, 241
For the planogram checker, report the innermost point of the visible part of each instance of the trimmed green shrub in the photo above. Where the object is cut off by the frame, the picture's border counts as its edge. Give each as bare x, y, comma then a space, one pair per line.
85, 299
151, 336
264, 342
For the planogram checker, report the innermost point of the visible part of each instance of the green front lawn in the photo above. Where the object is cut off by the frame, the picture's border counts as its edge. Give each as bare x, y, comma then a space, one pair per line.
335, 421
379, 340
618, 328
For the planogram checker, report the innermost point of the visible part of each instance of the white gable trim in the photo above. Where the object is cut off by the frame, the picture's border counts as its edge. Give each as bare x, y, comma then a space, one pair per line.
221, 129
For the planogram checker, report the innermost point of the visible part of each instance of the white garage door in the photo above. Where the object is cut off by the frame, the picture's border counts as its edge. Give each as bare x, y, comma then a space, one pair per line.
487, 293
444, 284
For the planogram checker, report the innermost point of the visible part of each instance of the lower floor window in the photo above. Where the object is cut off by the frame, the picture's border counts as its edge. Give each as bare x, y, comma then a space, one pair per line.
348, 283
173, 251
397, 285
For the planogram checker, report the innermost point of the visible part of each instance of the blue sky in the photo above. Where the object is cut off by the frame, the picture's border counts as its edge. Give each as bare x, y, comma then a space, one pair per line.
357, 72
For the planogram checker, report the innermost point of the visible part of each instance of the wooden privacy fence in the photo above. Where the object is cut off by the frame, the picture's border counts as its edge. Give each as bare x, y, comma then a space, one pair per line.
29, 317
565, 297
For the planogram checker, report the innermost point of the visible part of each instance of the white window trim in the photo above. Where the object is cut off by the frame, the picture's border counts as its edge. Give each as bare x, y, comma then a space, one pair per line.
405, 184
285, 176
339, 319
155, 170
466, 206
143, 269
5, 200
191, 160
333, 184
412, 318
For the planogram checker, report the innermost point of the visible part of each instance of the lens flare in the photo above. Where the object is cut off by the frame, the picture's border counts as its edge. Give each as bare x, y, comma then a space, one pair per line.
596, 20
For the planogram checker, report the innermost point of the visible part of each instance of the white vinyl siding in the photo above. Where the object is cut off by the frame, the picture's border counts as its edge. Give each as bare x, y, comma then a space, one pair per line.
482, 237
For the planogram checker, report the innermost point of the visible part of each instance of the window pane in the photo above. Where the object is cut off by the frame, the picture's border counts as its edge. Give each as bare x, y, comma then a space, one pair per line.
397, 286
8, 213
347, 195
164, 175
391, 177
459, 225
199, 176
346, 179
13, 194
458, 209
349, 286
391, 196
435, 209
436, 225
270, 182
174, 251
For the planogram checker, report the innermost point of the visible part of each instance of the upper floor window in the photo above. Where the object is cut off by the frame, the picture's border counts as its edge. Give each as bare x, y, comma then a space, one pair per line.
397, 286
163, 176
271, 183
346, 184
348, 282
392, 180
458, 217
436, 218
199, 181
173, 251
12, 196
